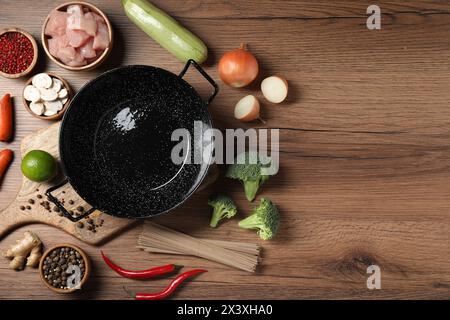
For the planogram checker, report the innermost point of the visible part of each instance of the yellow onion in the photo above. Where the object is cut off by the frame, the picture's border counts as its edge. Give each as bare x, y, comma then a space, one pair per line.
238, 68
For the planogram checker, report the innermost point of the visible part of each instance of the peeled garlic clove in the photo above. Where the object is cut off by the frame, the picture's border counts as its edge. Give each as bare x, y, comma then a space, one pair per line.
37, 108
63, 93
57, 85
42, 80
48, 94
49, 113
53, 105
30, 93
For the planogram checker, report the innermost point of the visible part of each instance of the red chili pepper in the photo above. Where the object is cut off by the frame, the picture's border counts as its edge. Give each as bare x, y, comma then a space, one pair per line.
140, 274
6, 157
170, 289
6, 118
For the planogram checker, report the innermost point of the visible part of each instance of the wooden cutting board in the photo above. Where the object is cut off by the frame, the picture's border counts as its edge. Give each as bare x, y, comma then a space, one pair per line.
14, 216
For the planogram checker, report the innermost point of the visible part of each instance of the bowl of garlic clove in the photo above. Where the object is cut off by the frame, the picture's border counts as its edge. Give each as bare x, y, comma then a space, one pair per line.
46, 96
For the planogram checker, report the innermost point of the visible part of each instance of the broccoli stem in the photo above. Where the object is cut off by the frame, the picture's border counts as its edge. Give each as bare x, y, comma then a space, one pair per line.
251, 222
251, 188
216, 217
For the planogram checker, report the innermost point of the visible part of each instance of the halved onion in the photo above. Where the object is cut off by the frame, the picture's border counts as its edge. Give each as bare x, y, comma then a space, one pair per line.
247, 109
275, 89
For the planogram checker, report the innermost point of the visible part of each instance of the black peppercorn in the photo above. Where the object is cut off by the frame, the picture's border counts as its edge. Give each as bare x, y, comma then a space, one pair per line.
55, 266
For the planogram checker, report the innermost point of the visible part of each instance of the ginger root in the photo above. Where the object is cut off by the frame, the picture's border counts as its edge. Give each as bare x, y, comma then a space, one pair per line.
35, 257
30, 246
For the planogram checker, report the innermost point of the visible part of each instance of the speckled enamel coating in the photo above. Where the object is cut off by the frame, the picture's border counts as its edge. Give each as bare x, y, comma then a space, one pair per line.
115, 141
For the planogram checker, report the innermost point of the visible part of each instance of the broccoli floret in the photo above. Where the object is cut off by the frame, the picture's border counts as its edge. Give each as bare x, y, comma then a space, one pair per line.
265, 218
249, 173
223, 206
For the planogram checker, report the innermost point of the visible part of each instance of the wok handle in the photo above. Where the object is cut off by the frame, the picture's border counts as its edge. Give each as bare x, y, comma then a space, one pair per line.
204, 74
61, 207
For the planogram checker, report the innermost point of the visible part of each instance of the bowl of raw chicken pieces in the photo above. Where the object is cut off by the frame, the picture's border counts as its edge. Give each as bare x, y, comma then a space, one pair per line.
77, 36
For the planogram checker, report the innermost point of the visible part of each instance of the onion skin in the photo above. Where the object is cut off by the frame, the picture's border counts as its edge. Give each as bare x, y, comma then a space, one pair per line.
238, 68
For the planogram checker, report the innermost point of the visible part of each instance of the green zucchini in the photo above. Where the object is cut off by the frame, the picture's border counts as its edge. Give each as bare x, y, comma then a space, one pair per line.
165, 30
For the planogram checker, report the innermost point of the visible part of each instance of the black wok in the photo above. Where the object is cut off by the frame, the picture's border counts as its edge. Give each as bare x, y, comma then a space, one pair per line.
115, 141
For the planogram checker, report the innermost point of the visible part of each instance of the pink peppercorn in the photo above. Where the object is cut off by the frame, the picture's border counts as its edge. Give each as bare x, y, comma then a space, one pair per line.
16, 52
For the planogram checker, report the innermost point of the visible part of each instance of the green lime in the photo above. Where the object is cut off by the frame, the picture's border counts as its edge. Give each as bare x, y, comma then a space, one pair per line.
39, 166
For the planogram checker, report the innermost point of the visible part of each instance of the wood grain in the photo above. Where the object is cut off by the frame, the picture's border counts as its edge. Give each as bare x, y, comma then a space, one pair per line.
364, 149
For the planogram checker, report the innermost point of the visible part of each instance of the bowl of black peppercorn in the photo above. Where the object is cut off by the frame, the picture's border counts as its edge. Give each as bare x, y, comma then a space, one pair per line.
64, 268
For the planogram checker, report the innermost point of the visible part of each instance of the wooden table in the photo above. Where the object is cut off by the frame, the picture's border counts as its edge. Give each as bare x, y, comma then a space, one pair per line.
365, 174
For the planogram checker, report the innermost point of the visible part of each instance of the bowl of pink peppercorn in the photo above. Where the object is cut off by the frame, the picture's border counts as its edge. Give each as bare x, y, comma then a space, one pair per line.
18, 53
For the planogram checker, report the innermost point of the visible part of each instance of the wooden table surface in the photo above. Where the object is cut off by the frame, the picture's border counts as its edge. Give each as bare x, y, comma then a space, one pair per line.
365, 155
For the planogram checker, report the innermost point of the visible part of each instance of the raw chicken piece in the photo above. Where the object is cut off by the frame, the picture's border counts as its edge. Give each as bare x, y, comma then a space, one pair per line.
75, 9
89, 61
77, 38
88, 25
101, 40
78, 61
87, 51
57, 23
98, 18
56, 43
75, 63
63, 41
91, 23
66, 54
53, 46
